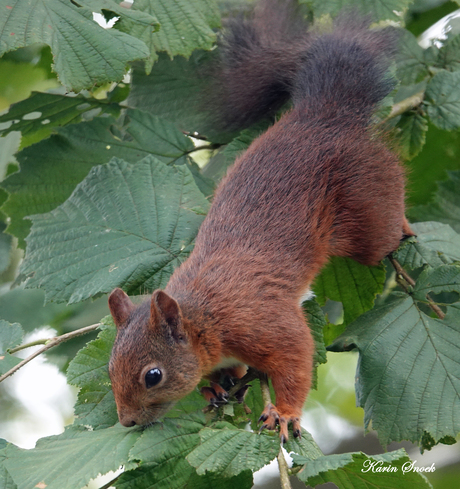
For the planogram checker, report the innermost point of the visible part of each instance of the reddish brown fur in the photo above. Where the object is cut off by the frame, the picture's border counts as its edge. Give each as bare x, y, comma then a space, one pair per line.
317, 183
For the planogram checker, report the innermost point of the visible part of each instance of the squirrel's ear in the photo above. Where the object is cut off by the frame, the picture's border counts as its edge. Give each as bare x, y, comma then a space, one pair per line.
167, 309
120, 306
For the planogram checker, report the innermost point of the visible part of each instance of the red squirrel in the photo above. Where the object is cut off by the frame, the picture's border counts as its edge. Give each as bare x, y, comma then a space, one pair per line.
318, 182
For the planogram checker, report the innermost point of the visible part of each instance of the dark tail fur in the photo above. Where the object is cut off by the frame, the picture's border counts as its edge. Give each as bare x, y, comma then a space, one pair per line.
271, 58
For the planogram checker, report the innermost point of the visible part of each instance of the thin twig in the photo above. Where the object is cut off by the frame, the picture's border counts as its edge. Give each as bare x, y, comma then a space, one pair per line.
282, 464
50, 343
406, 104
401, 273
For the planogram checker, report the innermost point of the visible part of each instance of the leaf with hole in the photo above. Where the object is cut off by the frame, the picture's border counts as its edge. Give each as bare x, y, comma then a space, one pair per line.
69, 30
51, 169
37, 116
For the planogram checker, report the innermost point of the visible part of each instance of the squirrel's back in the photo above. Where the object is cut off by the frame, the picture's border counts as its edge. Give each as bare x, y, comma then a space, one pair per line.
318, 182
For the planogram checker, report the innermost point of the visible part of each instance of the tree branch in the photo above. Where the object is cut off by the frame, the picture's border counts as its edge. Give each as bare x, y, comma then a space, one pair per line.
49, 343
251, 374
403, 278
282, 464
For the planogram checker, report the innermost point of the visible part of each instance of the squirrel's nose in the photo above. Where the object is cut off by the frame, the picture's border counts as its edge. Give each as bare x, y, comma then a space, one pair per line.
126, 421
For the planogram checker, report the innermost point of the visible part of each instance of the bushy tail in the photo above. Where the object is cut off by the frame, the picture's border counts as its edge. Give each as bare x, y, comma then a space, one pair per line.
259, 60
271, 58
346, 71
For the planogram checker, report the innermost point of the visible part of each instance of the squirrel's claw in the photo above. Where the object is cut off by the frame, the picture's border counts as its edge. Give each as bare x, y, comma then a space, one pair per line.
271, 417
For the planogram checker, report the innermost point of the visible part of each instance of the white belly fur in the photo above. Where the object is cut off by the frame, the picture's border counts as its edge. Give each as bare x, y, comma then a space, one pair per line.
306, 296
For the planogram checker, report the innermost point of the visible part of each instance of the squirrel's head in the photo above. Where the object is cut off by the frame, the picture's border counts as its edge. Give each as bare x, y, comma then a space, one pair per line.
152, 363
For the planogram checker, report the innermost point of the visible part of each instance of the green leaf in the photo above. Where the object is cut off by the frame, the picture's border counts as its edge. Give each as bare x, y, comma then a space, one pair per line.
174, 90
354, 285
69, 31
306, 447
5, 248
124, 226
37, 116
449, 54
316, 322
6, 482
410, 132
72, 458
410, 61
445, 278
146, 19
229, 452
408, 371
186, 25
162, 449
446, 206
10, 336
352, 470
434, 245
443, 100
95, 405
256, 402
51, 169
380, 9
179, 476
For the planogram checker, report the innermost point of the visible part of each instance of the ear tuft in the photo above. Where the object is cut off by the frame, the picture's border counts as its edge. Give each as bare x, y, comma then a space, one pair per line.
120, 306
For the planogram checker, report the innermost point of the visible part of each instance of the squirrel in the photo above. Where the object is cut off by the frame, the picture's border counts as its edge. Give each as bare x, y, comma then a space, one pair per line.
319, 182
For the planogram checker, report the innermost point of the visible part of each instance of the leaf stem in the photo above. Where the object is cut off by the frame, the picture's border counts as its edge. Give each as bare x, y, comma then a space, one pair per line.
403, 278
282, 464
43, 341
49, 343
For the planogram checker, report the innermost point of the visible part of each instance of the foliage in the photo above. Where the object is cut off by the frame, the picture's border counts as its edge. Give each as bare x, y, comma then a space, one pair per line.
108, 194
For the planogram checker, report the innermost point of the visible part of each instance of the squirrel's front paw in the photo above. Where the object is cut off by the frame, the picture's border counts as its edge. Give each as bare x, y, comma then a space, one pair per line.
271, 417
215, 394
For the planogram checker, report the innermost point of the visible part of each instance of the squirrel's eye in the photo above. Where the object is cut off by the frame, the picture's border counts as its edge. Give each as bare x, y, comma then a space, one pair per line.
153, 377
